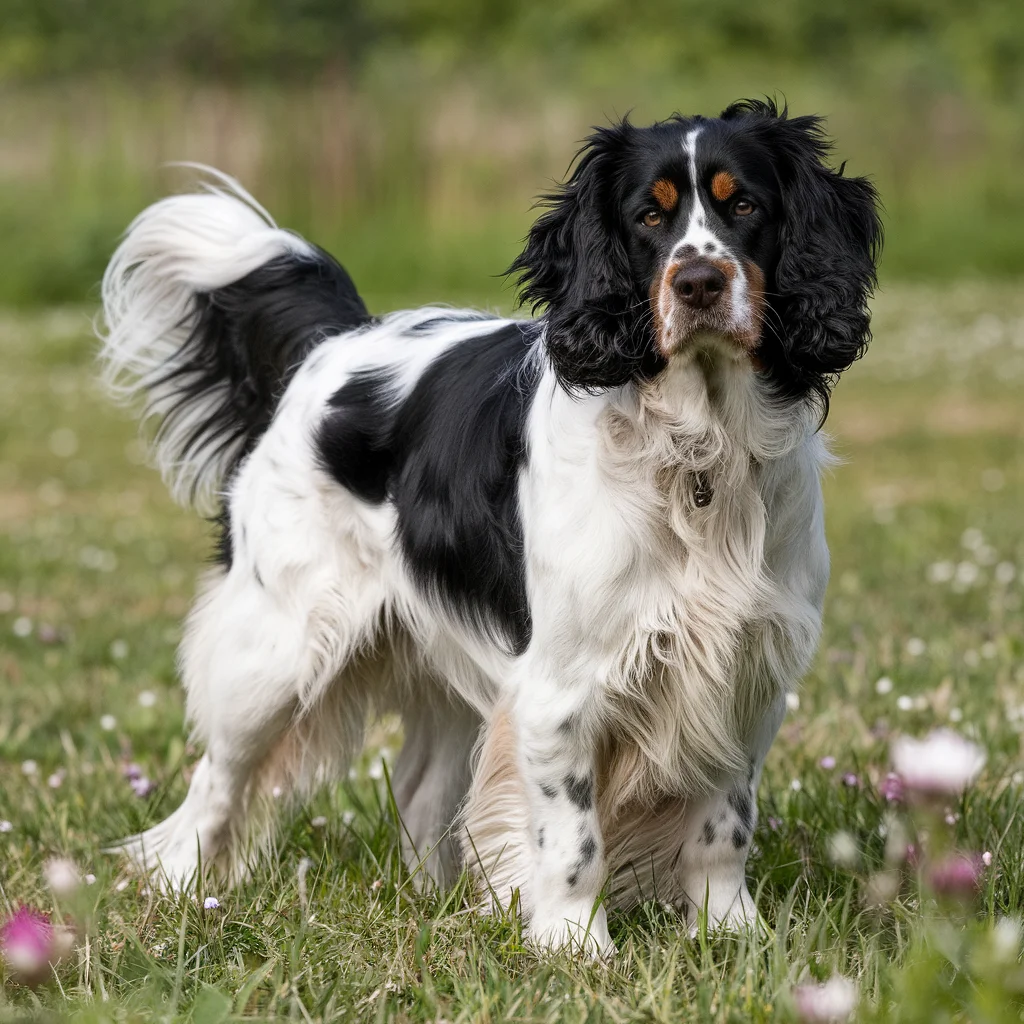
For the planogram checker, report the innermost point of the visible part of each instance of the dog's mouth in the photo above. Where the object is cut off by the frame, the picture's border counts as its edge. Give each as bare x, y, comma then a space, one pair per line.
720, 298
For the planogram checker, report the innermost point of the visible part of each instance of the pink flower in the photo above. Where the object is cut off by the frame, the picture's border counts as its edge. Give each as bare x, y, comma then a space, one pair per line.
986, 858
891, 788
774, 823
834, 1000
851, 780
828, 762
957, 875
131, 772
142, 786
31, 946
942, 764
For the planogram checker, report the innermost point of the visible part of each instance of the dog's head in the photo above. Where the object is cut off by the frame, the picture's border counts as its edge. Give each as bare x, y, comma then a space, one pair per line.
729, 231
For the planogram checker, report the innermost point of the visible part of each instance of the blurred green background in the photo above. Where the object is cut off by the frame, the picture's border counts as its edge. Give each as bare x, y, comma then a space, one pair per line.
410, 137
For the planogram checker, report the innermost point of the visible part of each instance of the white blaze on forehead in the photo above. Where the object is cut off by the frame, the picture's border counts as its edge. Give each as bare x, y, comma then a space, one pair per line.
697, 233
707, 243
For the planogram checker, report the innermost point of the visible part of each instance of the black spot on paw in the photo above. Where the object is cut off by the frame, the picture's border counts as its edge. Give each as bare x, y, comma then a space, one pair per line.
707, 833
742, 803
588, 848
580, 790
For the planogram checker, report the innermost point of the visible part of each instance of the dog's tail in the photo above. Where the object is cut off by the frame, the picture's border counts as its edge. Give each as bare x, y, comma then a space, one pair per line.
209, 309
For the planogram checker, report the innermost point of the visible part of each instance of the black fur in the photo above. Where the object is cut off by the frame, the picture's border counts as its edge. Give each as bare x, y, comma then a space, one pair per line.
575, 263
249, 337
580, 790
354, 443
448, 456
830, 238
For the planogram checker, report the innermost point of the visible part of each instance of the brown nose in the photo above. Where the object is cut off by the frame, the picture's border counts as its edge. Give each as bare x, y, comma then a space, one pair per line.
699, 284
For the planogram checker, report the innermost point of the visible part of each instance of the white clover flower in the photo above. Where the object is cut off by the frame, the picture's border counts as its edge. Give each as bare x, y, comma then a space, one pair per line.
842, 850
972, 538
147, 698
1005, 572
941, 572
884, 685
916, 647
905, 703
108, 723
22, 626
793, 701
834, 1000
942, 763
61, 875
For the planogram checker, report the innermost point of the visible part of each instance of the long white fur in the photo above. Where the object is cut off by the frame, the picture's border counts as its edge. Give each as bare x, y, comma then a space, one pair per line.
175, 248
668, 634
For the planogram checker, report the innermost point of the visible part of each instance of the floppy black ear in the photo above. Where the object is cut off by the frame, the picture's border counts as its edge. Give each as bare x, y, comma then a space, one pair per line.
575, 263
829, 241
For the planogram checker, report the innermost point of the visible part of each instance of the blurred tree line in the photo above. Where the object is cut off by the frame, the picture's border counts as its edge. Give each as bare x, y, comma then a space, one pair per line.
974, 45
408, 136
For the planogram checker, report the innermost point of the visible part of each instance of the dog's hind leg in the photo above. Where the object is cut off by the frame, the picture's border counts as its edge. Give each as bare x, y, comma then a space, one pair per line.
431, 779
257, 664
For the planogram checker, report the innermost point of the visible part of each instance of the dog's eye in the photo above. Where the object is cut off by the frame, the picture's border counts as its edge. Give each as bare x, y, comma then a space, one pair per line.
743, 208
652, 218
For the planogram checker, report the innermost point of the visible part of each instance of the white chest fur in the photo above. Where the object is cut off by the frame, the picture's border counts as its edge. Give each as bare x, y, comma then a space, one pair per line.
686, 621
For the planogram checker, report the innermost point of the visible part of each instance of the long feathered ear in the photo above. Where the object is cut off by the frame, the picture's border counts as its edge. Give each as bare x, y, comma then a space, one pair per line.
575, 263
830, 240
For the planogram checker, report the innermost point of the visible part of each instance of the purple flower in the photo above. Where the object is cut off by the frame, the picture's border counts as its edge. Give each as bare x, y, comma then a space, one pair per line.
891, 788
957, 875
131, 771
142, 786
828, 762
851, 780
31, 946
774, 823
211, 903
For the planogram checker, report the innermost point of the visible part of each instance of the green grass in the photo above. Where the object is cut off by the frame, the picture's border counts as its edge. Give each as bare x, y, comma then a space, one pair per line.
97, 560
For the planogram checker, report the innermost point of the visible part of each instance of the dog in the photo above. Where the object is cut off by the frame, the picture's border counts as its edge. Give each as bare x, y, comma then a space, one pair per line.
582, 555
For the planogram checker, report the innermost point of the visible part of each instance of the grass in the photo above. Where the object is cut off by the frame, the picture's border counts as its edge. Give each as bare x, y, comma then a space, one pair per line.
97, 568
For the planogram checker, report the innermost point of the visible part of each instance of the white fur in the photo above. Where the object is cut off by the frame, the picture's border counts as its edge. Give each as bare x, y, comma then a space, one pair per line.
665, 635
179, 246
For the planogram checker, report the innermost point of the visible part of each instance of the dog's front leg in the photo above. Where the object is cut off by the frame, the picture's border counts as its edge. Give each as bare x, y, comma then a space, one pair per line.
556, 729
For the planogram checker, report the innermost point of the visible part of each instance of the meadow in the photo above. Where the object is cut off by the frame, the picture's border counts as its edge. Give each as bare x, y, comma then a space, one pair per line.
924, 627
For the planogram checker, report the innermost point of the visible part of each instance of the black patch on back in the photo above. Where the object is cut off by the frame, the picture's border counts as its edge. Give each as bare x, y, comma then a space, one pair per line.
448, 456
354, 443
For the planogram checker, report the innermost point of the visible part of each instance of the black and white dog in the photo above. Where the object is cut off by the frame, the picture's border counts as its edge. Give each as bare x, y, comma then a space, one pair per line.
582, 555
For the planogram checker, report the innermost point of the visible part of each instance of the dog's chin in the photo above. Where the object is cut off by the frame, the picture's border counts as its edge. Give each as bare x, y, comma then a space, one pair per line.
682, 338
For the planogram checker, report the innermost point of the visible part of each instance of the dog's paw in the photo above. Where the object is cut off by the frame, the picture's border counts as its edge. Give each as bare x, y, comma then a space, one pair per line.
577, 929
735, 916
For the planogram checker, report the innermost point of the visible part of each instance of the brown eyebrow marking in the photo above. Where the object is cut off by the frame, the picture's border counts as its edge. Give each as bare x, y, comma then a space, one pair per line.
723, 185
665, 193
